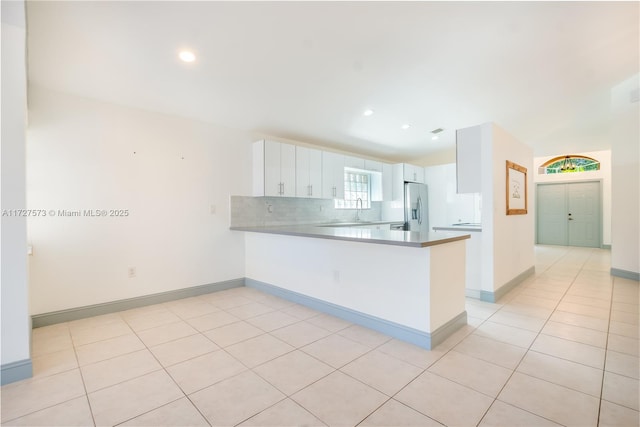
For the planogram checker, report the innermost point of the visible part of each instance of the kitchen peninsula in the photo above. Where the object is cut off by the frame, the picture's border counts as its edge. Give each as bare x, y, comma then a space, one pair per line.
408, 285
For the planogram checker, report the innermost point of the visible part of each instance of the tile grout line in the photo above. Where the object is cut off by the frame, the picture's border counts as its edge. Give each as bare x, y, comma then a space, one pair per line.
248, 369
84, 385
392, 397
604, 367
86, 395
529, 348
287, 396
426, 369
185, 395
371, 349
163, 368
475, 328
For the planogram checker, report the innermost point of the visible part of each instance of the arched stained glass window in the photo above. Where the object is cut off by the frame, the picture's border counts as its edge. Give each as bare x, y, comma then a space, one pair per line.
569, 164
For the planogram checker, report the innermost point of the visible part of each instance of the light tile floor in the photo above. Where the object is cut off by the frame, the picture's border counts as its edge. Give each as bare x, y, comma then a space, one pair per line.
560, 349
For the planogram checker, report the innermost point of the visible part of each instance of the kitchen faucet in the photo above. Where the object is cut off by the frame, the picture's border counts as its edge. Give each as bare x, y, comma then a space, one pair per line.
358, 210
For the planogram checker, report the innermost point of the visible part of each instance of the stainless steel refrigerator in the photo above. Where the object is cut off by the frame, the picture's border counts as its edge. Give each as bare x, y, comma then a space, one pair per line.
416, 212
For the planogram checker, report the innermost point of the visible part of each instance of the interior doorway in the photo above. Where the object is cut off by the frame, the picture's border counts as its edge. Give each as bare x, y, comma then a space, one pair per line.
569, 214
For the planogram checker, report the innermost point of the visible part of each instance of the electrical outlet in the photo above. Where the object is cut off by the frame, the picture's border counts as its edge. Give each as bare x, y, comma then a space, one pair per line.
131, 272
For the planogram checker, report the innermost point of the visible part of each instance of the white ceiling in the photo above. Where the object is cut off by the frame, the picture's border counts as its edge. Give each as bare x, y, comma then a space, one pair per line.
308, 70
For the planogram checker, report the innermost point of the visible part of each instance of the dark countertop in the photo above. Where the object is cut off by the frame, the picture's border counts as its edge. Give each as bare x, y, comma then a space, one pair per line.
358, 234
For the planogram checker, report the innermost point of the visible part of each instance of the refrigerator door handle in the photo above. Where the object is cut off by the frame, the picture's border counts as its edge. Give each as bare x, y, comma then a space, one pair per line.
419, 210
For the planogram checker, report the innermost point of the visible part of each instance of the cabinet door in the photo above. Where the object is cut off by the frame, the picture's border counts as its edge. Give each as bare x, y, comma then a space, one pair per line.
308, 172
288, 169
413, 173
397, 181
302, 172
387, 182
315, 173
327, 175
439, 195
272, 182
468, 164
409, 173
332, 175
338, 177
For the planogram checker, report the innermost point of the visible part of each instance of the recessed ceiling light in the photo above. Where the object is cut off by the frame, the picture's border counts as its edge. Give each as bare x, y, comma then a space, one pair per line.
405, 126
368, 112
187, 56
434, 137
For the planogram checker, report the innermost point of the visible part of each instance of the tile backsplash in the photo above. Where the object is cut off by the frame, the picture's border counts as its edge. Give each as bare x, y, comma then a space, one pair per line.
265, 211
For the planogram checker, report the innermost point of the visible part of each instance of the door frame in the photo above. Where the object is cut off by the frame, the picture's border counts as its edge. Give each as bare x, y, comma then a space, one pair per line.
577, 181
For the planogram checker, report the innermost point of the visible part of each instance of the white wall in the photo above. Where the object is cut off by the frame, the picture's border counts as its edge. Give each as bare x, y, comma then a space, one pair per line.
625, 177
13, 232
513, 235
81, 156
446, 206
604, 174
437, 158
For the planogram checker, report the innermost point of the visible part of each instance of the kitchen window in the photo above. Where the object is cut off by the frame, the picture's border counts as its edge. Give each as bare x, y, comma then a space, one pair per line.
357, 185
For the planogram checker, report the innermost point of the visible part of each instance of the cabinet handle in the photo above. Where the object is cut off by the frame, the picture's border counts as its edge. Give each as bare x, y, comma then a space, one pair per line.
334, 192
311, 190
282, 189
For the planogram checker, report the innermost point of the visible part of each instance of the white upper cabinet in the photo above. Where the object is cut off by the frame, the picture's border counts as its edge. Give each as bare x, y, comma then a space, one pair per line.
413, 173
274, 169
387, 182
401, 173
308, 172
332, 175
353, 162
468, 163
373, 165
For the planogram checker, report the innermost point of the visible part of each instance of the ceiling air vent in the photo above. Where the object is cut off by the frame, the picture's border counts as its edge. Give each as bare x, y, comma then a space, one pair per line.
437, 131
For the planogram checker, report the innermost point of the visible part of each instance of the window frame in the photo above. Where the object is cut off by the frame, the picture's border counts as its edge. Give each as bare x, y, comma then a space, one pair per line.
545, 169
355, 188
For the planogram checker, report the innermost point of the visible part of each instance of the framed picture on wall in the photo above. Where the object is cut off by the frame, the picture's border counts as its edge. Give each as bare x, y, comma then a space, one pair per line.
516, 189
